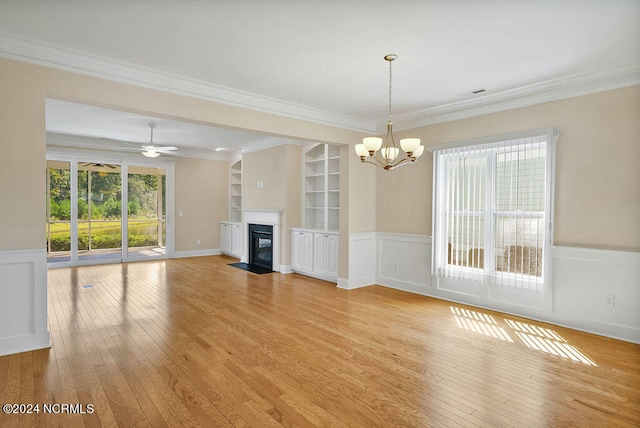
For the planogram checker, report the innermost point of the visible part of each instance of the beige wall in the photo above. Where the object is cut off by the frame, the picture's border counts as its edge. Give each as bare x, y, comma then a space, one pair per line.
362, 194
22, 161
24, 88
346, 151
597, 173
202, 194
280, 171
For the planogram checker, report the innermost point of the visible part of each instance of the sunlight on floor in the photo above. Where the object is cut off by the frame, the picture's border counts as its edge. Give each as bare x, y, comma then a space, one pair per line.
479, 323
534, 337
545, 340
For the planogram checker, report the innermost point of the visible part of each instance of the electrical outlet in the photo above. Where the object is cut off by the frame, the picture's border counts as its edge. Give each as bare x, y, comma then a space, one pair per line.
610, 300
397, 265
198, 241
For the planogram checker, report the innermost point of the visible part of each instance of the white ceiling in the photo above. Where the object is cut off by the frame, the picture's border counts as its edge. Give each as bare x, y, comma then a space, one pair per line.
124, 131
323, 59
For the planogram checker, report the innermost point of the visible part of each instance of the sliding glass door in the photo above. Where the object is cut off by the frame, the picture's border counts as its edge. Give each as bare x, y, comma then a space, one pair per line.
87, 222
146, 212
58, 211
99, 211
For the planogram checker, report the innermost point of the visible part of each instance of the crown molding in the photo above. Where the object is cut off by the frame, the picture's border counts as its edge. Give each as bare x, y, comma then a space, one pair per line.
54, 56
267, 143
49, 55
122, 149
537, 93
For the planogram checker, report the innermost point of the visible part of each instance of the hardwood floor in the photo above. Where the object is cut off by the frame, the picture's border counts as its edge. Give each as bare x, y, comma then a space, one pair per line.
194, 342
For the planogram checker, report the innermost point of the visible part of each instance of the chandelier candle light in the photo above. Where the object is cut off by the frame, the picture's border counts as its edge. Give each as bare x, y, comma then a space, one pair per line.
390, 154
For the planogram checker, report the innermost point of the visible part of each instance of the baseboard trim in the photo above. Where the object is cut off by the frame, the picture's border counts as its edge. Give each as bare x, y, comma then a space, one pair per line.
196, 253
286, 269
347, 284
613, 331
404, 263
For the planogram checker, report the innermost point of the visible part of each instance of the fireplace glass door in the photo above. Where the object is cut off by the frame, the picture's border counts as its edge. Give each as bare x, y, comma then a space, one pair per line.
261, 245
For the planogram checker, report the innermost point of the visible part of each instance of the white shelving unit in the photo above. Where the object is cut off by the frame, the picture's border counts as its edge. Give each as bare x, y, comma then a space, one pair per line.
231, 231
322, 187
235, 214
314, 247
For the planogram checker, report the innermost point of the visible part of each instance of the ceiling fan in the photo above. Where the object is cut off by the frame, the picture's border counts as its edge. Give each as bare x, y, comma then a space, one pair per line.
152, 151
98, 165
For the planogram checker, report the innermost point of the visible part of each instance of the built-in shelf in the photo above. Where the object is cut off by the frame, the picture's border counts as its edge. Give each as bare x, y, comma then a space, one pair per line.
235, 204
321, 187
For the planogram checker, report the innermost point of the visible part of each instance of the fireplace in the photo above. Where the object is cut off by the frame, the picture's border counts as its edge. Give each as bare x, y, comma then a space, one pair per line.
261, 246
265, 217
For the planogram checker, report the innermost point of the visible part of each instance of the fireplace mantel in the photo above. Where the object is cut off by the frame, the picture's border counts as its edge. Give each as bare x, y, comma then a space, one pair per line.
269, 217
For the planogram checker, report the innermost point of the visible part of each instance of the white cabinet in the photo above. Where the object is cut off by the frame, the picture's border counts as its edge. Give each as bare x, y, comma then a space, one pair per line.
325, 254
225, 238
236, 240
302, 250
231, 238
315, 253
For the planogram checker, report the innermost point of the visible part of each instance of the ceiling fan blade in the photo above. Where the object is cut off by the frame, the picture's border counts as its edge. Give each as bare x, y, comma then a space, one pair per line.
166, 148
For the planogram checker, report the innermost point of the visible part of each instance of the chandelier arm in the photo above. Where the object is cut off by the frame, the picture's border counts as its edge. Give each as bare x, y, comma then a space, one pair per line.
375, 164
375, 158
401, 163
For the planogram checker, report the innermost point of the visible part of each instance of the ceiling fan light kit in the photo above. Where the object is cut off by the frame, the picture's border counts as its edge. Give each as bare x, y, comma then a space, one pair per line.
152, 151
390, 156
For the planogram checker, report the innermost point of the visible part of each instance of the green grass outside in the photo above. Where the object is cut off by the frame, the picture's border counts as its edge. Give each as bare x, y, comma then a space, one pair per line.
97, 226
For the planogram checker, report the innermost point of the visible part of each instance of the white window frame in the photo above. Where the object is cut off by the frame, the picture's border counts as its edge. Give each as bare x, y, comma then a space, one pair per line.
487, 276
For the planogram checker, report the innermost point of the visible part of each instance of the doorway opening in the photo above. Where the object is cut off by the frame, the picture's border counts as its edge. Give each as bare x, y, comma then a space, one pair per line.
87, 222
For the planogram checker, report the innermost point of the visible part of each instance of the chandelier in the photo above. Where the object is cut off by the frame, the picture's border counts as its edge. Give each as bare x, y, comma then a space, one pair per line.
389, 157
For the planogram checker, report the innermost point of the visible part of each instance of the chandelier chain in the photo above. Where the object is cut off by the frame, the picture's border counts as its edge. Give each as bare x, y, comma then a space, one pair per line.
390, 76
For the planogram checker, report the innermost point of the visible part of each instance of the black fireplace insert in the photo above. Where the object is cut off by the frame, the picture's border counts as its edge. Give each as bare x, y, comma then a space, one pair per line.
261, 246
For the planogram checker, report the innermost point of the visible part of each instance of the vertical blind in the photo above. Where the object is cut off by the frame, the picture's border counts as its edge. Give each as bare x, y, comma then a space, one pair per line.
490, 211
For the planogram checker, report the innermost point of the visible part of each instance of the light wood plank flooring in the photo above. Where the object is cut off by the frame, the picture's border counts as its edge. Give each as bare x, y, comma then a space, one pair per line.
194, 342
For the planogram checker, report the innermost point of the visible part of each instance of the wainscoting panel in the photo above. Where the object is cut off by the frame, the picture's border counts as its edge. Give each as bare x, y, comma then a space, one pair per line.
404, 261
23, 301
362, 261
582, 279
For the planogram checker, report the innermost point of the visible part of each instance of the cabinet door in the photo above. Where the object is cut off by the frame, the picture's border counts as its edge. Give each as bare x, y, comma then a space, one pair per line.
332, 245
236, 240
302, 251
306, 259
296, 249
225, 238
320, 253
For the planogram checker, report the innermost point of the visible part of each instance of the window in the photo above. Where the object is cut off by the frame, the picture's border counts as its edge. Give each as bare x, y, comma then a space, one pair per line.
492, 213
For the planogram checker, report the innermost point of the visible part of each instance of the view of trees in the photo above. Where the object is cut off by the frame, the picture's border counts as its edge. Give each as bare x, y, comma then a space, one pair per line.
105, 195
104, 188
